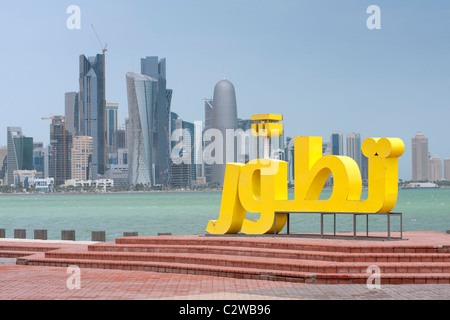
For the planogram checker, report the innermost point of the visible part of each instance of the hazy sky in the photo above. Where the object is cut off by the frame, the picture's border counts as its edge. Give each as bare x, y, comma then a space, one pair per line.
314, 61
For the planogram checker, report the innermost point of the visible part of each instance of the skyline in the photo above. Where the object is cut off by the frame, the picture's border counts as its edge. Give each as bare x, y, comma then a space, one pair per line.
315, 63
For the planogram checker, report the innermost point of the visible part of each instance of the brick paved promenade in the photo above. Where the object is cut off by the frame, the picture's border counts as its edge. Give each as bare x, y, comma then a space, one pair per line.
24, 282
50, 283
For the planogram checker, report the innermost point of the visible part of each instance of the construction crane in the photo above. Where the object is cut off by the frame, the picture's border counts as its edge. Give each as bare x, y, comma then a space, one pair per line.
104, 50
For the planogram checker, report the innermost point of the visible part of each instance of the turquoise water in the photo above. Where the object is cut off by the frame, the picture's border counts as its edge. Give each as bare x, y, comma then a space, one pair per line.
188, 213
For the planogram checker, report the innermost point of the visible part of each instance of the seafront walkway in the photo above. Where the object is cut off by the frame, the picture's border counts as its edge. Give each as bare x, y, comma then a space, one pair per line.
25, 274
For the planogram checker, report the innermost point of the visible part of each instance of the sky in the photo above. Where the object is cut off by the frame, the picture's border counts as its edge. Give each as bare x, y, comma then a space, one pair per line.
314, 61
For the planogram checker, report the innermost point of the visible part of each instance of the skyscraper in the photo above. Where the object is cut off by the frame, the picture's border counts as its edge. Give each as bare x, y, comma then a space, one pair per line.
92, 99
20, 152
60, 151
181, 171
82, 157
156, 69
142, 94
446, 169
111, 122
435, 169
419, 147
72, 112
208, 168
224, 117
353, 142
337, 144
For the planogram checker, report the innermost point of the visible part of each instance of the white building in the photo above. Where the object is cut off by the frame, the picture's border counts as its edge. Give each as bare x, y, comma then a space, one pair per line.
101, 184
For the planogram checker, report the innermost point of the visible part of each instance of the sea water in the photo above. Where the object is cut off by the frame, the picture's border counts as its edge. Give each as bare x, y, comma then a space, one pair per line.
182, 213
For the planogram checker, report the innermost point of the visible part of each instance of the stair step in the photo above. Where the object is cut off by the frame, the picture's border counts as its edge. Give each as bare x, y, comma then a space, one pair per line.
276, 253
256, 262
245, 273
15, 254
282, 243
27, 247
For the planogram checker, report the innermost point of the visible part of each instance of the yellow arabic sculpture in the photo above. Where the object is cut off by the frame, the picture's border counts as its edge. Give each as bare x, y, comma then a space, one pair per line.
260, 186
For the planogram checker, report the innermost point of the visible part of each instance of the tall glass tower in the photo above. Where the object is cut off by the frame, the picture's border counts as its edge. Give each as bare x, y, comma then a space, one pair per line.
156, 69
20, 152
142, 97
337, 143
92, 99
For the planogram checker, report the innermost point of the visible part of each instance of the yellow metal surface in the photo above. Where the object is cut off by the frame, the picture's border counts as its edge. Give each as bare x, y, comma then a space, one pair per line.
260, 186
267, 117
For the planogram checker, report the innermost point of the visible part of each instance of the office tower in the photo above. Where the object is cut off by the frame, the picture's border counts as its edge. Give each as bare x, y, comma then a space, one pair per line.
111, 122
20, 152
119, 140
207, 167
353, 142
156, 69
419, 147
290, 147
435, 169
47, 163
224, 118
446, 169
364, 168
82, 151
92, 103
38, 158
72, 113
173, 126
142, 97
189, 140
60, 151
337, 144
181, 173
3, 159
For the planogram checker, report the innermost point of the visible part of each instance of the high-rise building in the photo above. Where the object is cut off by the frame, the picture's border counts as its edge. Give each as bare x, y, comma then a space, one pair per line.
207, 167
447, 169
119, 139
82, 151
92, 103
3, 159
38, 158
337, 144
142, 94
224, 118
419, 147
435, 169
20, 152
353, 143
111, 122
156, 69
60, 151
72, 113
181, 173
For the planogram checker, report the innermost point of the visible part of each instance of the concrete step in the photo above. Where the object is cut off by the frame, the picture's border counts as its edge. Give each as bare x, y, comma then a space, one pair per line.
15, 254
244, 273
275, 253
272, 242
298, 265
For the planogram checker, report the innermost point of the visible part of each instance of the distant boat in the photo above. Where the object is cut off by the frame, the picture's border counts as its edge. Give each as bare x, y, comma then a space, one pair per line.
420, 185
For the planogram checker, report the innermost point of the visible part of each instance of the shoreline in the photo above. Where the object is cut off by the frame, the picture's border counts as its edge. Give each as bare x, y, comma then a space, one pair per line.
110, 192
165, 192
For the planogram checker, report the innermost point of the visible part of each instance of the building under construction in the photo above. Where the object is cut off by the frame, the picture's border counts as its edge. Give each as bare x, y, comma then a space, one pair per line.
60, 151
